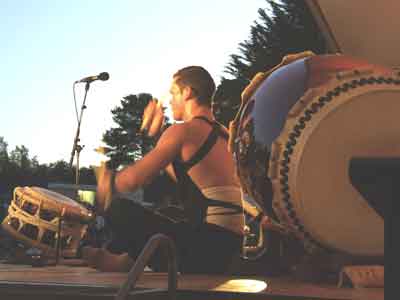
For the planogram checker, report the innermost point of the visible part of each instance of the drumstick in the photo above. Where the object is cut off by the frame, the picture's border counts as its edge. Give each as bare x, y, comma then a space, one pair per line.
104, 188
148, 115
158, 120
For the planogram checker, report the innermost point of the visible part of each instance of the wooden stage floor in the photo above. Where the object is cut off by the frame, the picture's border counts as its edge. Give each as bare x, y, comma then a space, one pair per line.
77, 282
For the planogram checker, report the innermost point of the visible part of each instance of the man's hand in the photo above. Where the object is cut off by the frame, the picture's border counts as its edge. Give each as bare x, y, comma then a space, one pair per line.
153, 118
104, 188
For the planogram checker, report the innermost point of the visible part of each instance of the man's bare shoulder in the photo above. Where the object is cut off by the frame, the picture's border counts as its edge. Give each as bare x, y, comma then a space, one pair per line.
176, 128
174, 133
194, 125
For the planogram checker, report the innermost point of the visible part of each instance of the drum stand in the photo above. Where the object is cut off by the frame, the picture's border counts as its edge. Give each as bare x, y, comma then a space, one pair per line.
58, 242
76, 147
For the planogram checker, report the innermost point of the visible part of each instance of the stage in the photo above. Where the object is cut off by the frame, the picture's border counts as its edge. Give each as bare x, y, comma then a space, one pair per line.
79, 282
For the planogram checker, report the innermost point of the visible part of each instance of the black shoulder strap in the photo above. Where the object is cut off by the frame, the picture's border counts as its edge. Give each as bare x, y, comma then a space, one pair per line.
222, 132
190, 196
203, 150
204, 119
207, 145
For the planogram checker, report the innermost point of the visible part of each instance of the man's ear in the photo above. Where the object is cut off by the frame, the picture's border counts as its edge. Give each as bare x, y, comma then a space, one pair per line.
187, 92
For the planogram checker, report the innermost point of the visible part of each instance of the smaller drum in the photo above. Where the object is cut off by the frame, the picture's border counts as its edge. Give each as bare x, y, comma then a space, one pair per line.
34, 216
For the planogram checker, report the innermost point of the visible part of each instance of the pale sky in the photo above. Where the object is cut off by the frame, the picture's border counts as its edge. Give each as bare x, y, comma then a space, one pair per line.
48, 44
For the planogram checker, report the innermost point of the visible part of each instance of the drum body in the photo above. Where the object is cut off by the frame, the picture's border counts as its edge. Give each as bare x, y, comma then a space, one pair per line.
34, 219
295, 140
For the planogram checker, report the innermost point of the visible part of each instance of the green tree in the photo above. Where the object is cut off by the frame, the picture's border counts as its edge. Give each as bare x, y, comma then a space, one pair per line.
86, 176
18, 169
227, 100
60, 171
4, 161
3, 150
126, 142
40, 174
285, 27
20, 156
4, 165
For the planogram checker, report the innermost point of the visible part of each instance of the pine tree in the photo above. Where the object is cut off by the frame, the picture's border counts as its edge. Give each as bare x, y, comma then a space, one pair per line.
286, 27
128, 144
227, 99
126, 141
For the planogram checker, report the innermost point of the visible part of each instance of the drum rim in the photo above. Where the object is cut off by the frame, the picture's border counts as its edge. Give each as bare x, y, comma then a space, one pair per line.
45, 201
282, 147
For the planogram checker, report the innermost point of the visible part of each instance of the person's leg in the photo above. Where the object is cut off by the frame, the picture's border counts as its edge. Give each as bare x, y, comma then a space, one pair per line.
208, 249
132, 225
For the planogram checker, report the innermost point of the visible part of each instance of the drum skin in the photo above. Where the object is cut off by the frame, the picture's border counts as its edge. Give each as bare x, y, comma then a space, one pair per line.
296, 136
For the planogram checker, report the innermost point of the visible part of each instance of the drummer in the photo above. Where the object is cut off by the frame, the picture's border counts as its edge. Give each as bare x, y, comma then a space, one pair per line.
194, 153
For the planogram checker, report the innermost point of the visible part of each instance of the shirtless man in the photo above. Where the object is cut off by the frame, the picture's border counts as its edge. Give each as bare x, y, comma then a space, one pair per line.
193, 152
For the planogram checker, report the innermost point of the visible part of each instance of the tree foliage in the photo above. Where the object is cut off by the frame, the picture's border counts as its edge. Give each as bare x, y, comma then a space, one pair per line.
127, 144
285, 27
227, 99
18, 168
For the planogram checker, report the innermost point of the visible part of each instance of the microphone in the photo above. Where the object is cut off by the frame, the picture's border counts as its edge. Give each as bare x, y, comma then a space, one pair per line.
102, 76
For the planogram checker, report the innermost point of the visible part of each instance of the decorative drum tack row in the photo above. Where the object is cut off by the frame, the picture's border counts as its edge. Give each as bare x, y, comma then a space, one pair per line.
356, 85
297, 137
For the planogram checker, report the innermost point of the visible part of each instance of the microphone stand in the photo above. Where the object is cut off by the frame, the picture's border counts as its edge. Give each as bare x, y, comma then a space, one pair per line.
77, 147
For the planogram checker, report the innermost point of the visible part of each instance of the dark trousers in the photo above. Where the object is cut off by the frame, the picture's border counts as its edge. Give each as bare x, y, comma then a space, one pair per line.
206, 248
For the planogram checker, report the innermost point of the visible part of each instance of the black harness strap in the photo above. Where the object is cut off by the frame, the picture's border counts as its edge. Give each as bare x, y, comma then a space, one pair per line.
194, 202
219, 203
207, 145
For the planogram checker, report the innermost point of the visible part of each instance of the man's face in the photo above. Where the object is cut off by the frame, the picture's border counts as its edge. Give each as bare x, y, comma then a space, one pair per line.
177, 101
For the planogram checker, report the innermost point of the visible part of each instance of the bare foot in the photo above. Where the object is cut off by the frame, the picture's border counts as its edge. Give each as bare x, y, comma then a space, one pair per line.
114, 262
103, 260
89, 254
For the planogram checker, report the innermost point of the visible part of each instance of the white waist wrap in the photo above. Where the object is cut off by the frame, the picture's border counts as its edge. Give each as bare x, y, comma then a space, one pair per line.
223, 216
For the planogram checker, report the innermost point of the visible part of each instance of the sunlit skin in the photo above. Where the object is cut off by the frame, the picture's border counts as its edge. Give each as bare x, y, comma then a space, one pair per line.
179, 140
182, 140
153, 118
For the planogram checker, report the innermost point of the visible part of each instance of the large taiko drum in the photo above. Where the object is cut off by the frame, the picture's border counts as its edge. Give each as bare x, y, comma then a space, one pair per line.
34, 218
297, 137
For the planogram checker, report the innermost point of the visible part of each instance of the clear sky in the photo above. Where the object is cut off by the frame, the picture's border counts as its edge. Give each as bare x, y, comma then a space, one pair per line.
48, 44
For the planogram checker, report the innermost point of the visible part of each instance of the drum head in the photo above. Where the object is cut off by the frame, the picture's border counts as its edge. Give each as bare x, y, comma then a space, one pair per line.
57, 202
348, 118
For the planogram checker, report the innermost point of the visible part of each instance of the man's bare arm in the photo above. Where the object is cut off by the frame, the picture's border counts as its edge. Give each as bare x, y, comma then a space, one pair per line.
168, 147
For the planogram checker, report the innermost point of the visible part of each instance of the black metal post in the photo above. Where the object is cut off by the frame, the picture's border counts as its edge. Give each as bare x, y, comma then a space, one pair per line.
77, 147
